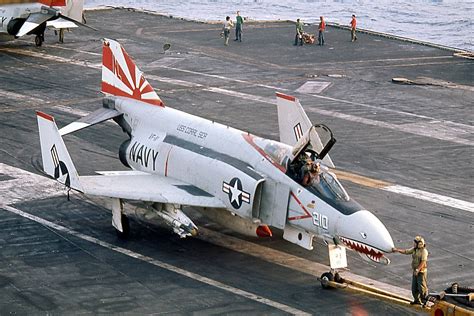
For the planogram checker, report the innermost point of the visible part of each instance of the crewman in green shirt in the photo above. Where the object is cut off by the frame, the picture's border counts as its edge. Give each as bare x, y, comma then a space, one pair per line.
238, 27
419, 254
299, 32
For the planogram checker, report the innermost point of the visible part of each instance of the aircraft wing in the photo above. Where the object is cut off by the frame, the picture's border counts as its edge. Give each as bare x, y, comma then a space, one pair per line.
61, 24
33, 21
133, 185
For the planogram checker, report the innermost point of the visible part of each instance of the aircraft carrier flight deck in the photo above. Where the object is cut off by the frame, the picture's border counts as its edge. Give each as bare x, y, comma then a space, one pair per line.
404, 150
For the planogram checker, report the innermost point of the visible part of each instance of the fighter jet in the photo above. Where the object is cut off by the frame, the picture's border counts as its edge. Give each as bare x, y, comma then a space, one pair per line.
17, 20
234, 177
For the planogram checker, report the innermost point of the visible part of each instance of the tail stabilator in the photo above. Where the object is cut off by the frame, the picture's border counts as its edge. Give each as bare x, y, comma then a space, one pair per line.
121, 77
56, 160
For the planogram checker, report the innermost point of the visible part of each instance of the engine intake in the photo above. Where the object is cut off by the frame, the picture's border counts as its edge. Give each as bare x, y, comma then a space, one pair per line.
123, 153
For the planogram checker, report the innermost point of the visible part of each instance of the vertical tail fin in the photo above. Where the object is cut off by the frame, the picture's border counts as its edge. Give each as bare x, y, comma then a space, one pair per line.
292, 119
56, 160
121, 77
294, 123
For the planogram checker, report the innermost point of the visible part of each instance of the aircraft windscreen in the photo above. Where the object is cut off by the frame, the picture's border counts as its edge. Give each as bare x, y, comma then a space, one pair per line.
330, 187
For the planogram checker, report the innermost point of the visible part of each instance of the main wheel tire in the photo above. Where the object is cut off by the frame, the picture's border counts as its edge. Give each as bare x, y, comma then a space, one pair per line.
326, 276
125, 227
38, 41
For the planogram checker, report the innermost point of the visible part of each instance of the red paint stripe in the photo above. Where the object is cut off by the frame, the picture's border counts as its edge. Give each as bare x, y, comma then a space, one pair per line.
45, 116
166, 163
285, 96
108, 88
53, 3
249, 139
308, 215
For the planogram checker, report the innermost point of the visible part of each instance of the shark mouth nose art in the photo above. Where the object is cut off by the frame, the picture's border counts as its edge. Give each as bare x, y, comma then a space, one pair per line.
371, 253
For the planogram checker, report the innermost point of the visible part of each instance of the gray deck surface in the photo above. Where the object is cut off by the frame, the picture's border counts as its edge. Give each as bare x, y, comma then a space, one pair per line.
415, 136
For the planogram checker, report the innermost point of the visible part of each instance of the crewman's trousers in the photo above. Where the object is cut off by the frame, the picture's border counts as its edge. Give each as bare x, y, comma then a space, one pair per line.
419, 288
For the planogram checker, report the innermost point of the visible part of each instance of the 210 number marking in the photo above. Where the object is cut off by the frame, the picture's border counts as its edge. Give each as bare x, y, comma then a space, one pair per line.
320, 220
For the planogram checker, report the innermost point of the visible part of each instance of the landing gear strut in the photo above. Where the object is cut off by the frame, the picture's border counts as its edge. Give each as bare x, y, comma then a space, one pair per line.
119, 219
39, 39
125, 227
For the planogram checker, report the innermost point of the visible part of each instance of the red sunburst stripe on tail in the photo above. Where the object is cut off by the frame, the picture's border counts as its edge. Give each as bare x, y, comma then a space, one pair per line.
121, 77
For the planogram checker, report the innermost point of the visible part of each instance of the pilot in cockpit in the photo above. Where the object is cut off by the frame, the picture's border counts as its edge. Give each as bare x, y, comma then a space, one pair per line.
312, 173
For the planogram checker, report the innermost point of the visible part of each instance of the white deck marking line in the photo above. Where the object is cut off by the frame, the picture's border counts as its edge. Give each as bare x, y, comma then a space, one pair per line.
444, 133
220, 77
18, 96
315, 95
158, 263
26, 184
416, 129
431, 197
70, 110
419, 130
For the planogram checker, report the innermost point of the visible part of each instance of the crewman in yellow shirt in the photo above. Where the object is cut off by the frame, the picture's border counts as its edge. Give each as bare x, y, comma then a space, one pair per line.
419, 254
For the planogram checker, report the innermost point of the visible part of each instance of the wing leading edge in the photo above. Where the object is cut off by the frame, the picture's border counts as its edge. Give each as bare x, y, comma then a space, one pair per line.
148, 187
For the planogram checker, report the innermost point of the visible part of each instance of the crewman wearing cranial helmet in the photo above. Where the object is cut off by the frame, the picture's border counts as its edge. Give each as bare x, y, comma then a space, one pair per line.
419, 254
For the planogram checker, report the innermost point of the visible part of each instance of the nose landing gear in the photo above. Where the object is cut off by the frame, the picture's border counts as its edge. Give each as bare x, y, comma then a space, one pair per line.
331, 276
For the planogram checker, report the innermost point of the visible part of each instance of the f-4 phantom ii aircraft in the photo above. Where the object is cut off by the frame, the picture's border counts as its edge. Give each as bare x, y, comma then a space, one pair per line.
238, 179
17, 20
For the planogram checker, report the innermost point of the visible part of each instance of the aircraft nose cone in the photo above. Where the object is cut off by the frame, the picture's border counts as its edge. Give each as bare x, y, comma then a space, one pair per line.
364, 228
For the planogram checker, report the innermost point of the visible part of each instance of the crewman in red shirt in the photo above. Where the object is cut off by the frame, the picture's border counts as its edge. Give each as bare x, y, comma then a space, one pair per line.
321, 29
353, 28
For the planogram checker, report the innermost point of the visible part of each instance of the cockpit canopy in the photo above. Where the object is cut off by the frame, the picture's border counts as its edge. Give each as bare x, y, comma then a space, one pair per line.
329, 186
318, 141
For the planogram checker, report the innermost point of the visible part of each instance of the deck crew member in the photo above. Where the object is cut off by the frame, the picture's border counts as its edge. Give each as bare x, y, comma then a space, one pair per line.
419, 288
353, 28
239, 21
299, 32
227, 25
321, 29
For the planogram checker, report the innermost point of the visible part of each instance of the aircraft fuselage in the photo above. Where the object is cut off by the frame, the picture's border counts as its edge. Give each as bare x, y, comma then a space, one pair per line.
233, 165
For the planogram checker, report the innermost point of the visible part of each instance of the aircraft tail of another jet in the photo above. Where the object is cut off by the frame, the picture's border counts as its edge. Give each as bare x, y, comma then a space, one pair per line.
71, 14
74, 10
121, 77
56, 160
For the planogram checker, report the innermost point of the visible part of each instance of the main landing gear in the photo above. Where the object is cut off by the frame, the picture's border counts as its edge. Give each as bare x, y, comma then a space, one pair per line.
39, 39
125, 227
120, 221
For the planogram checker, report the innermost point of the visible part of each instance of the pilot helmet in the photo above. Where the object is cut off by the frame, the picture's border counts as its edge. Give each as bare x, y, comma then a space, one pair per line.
420, 242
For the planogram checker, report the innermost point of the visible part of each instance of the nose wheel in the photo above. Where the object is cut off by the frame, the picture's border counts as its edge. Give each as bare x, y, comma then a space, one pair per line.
331, 276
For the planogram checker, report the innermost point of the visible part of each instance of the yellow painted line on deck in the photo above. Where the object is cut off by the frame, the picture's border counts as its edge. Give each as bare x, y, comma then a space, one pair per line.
358, 179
